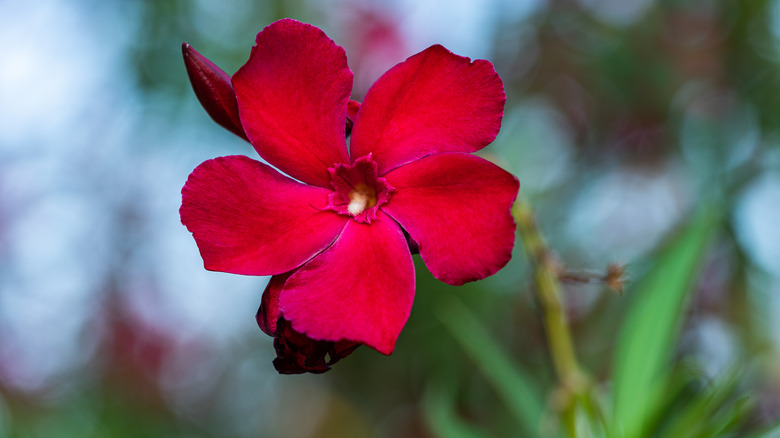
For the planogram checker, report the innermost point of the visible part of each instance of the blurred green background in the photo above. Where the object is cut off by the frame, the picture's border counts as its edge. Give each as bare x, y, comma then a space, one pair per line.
623, 119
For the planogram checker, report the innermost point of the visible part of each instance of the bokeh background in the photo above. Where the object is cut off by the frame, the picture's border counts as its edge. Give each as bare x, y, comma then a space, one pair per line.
622, 118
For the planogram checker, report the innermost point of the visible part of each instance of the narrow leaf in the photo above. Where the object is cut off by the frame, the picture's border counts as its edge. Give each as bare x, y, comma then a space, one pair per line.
772, 431
438, 408
698, 414
509, 381
647, 337
732, 417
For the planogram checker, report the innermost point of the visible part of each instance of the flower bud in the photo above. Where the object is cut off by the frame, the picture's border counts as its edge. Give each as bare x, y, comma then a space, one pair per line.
214, 90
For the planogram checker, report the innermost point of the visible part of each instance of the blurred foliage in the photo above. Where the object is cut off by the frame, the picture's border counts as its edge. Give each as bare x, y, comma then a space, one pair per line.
685, 94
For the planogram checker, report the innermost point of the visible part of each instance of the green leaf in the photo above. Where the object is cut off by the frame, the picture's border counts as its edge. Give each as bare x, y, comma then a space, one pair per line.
772, 431
709, 412
731, 417
438, 407
506, 378
647, 338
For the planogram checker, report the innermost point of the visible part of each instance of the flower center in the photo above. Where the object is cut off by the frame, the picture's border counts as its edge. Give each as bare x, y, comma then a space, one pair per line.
358, 191
360, 198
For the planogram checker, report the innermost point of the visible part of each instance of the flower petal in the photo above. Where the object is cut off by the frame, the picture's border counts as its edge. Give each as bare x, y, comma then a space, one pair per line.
435, 101
214, 90
361, 289
249, 219
268, 313
292, 99
295, 352
352, 110
457, 208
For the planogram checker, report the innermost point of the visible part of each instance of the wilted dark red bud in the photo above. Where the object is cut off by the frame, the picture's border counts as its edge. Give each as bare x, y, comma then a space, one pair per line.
352, 110
214, 90
297, 353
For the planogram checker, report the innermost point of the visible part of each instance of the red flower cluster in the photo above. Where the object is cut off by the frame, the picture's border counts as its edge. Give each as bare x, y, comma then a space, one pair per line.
337, 238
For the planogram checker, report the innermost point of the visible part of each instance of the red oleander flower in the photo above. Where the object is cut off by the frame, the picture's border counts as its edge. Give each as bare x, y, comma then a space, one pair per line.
335, 233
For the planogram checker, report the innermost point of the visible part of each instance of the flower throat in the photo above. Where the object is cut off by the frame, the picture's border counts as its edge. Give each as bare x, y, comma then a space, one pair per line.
358, 190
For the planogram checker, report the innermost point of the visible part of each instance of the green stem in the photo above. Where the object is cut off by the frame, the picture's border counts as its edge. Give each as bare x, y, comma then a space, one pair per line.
573, 382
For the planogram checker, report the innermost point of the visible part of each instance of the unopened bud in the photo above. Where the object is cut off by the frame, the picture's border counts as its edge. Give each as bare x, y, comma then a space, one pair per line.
214, 90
